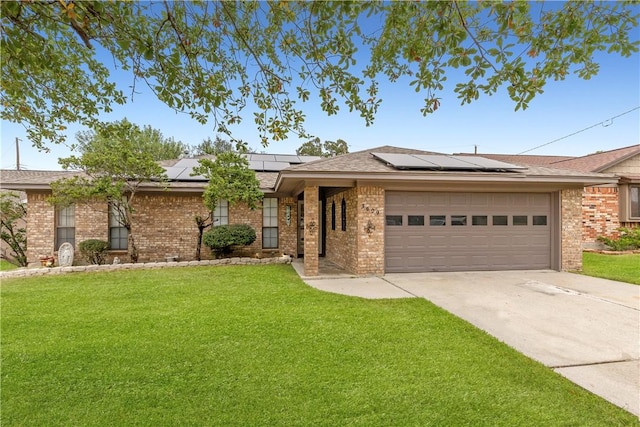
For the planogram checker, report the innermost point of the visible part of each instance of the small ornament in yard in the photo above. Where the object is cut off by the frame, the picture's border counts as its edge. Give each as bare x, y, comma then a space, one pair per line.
47, 261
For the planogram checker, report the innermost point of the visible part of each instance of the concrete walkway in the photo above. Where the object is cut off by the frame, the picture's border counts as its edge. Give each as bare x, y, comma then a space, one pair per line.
584, 328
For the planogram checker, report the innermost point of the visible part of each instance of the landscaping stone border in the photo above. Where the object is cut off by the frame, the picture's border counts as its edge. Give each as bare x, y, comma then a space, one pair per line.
42, 271
608, 252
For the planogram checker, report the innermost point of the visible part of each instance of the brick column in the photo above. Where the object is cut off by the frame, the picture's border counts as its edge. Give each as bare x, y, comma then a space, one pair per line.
370, 231
571, 232
311, 230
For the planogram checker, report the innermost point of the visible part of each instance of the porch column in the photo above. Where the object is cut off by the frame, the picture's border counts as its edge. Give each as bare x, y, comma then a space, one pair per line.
311, 230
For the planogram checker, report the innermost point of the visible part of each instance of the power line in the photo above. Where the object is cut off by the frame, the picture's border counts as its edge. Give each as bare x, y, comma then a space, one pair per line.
604, 123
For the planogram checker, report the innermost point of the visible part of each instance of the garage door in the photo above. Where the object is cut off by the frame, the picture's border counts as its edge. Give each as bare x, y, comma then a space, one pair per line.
467, 231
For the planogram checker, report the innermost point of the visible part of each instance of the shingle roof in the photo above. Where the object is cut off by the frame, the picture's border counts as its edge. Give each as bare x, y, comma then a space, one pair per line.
364, 162
10, 178
359, 161
34, 179
598, 162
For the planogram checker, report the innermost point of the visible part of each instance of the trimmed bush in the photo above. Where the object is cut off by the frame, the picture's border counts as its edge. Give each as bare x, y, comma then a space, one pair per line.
629, 239
94, 250
224, 238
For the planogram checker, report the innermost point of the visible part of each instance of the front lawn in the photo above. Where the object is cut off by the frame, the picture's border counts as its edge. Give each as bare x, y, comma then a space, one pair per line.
6, 265
625, 268
255, 346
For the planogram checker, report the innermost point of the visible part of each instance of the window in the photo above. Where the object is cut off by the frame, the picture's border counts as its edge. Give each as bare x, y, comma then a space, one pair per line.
539, 220
344, 215
118, 235
394, 219
270, 223
65, 225
458, 220
416, 220
634, 202
333, 215
499, 220
437, 220
479, 220
519, 220
220, 214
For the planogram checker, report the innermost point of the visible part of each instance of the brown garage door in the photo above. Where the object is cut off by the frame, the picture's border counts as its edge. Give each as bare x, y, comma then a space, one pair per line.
467, 231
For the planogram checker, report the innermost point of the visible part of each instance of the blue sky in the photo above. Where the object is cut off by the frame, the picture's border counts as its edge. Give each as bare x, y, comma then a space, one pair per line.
490, 123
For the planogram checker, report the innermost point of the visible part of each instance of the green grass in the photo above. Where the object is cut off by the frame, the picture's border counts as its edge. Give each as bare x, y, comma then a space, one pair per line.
6, 265
255, 346
625, 268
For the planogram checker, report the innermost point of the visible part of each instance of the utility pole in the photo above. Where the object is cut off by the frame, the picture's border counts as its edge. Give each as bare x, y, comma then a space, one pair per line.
17, 154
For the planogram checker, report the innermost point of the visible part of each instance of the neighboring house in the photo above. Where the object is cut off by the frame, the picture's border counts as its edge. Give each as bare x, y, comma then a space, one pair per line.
606, 207
386, 209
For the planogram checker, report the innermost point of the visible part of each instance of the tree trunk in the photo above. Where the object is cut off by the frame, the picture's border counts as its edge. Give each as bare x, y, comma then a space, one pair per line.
133, 249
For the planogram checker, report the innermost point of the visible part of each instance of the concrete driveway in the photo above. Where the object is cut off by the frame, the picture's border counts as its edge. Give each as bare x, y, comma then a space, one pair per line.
584, 328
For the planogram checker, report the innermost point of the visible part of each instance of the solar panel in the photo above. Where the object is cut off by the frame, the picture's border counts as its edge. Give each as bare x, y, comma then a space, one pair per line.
288, 158
187, 163
489, 163
262, 157
403, 161
173, 172
256, 165
443, 162
275, 166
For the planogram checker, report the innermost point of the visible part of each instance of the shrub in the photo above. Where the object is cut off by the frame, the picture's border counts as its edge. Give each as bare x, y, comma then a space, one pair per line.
94, 250
629, 239
224, 237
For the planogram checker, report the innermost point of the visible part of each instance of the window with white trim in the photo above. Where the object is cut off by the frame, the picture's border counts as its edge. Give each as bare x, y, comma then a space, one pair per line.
65, 225
118, 234
220, 214
270, 223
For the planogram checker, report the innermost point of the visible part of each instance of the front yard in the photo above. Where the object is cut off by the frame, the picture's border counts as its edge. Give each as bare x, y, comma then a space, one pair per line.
253, 345
624, 268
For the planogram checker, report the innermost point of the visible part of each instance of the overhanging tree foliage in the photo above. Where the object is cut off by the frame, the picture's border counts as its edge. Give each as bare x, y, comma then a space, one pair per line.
324, 149
229, 179
13, 215
145, 139
114, 165
224, 62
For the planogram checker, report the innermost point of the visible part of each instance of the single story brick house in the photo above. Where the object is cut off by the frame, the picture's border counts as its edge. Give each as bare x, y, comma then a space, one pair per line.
606, 207
385, 209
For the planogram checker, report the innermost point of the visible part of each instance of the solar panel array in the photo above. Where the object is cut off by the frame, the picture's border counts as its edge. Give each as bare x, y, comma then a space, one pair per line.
183, 169
444, 162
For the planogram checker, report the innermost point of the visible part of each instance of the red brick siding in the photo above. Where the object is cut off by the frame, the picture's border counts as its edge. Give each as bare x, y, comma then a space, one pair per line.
600, 209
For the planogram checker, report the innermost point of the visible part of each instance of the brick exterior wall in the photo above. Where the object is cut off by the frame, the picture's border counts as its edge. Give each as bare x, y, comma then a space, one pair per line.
288, 232
600, 209
163, 226
370, 212
360, 248
40, 227
341, 246
311, 230
571, 229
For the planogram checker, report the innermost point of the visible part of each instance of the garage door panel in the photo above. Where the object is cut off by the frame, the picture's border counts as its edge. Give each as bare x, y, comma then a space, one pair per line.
482, 246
